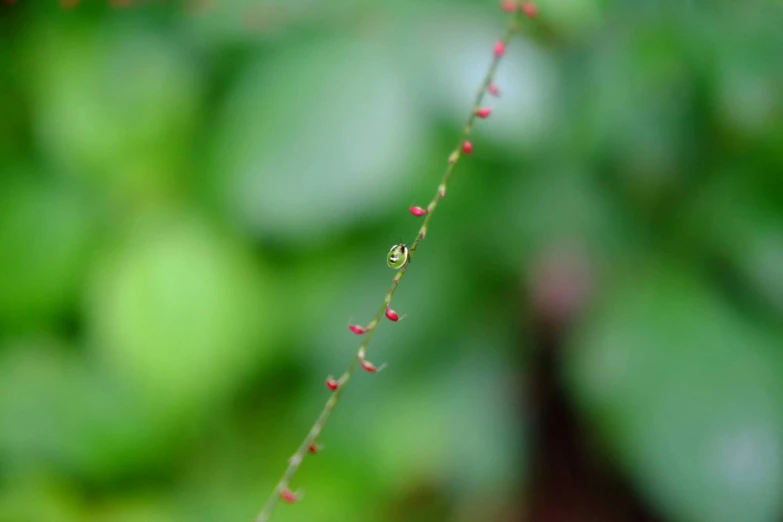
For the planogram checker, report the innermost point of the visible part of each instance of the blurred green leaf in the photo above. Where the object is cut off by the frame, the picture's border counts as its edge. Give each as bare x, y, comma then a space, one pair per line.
57, 411
45, 235
687, 394
115, 104
737, 220
33, 497
325, 117
181, 311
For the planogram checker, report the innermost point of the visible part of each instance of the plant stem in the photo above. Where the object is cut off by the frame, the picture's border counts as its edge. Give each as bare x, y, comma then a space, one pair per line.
296, 460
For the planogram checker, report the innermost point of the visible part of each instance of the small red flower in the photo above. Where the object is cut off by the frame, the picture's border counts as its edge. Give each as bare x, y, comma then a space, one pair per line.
391, 314
500, 48
331, 383
467, 147
493, 89
418, 211
483, 112
289, 496
530, 9
355, 328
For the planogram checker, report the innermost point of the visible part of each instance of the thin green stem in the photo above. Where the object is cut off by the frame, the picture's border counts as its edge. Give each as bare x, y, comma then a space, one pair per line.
296, 460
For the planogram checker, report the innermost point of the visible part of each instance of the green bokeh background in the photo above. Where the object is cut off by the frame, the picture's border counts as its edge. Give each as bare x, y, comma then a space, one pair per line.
196, 197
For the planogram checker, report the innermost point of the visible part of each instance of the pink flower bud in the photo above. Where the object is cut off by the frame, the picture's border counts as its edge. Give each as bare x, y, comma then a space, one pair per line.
418, 211
493, 89
355, 328
483, 112
453, 157
530, 9
314, 448
331, 383
467, 147
500, 48
370, 367
508, 6
289, 496
391, 314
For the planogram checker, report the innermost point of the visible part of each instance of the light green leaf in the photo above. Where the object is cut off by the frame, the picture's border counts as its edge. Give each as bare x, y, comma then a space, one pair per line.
316, 136
181, 312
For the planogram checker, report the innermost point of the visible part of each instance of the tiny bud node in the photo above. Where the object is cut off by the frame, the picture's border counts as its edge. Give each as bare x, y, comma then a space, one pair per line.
289, 496
355, 328
493, 89
314, 448
370, 367
483, 112
467, 147
332, 383
391, 314
508, 6
530, 9
500, 48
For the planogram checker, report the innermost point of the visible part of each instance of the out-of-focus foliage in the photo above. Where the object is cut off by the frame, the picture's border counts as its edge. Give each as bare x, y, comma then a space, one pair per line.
195, 197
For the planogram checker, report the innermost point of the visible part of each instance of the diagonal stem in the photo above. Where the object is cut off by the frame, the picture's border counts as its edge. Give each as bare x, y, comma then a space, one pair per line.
296, 460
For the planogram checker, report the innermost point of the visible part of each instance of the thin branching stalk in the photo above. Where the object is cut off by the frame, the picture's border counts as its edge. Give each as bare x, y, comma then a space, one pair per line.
464, 147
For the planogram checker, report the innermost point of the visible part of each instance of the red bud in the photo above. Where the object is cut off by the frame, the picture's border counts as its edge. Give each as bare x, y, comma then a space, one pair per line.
508, 6
483, 112
370, 367
418, 211
530, 9
331, 383
314, 448
467, 147
500, 48
355, 328
493, 89
391, 314
289, 496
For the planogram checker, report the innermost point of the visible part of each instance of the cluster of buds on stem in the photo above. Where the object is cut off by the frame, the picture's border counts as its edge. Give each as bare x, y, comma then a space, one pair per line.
529, 8
398, 259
